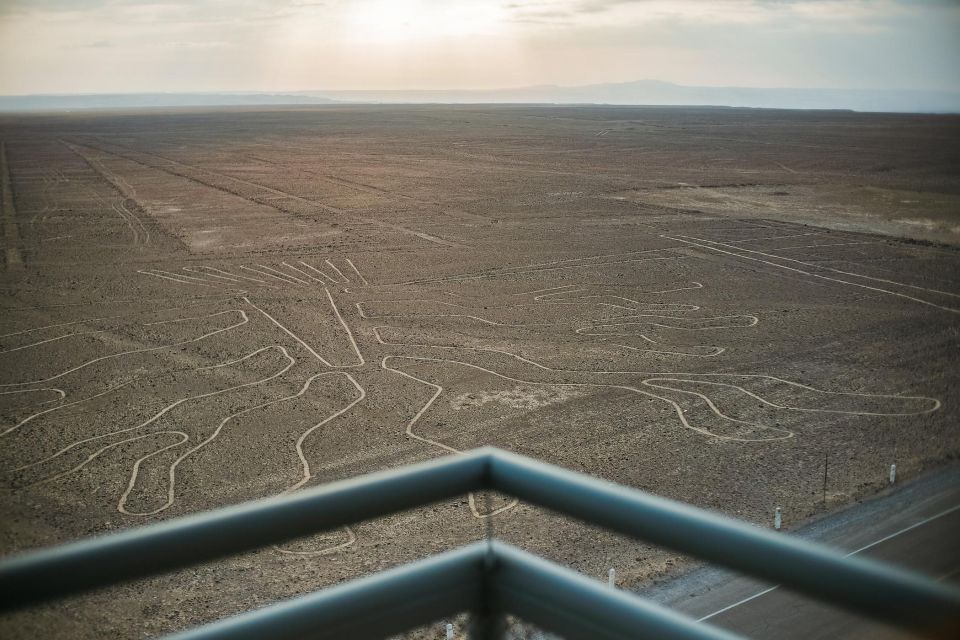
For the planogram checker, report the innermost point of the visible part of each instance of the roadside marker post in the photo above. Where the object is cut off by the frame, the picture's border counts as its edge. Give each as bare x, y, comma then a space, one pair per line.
893, 473
612, 578
449, 631
777, 519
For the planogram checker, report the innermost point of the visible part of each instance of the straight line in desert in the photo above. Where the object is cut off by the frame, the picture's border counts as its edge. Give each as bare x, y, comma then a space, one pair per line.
539, 304
846, 273
286, 279
599, 323
140, 233
302, 272
346, 328
319, 272
11, 232
710, 245
715, 350
312, 203
179, 277
244, 321
288, 332
213, 275
530, 268
357, 271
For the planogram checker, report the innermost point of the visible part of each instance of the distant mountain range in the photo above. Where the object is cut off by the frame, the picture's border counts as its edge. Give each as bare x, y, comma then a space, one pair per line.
643, 92
69, 102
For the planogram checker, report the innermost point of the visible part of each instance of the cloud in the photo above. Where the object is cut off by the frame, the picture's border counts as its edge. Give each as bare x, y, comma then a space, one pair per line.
202, 45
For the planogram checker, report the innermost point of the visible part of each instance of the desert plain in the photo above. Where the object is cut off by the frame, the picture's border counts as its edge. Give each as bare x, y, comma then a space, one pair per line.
741, 309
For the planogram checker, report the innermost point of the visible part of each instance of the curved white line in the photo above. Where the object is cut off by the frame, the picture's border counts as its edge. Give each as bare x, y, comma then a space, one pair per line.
57, 338
159, 414
438, 390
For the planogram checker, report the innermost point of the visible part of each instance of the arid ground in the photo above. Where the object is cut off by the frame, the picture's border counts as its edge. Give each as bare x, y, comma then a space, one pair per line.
204, 307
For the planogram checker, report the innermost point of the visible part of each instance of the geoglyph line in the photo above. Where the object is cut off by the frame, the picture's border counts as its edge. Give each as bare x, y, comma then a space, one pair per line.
285, 278
715, 351
145, 350
500, 274
159, 414
750, 322
308, 474
288, 332
677, 375
318, 272
346, 328
54, 339
847, 273
285, 273
339, 273
168, 165
678, 410
59, 392
212, 275
53, 326
438, 390
363, 280
301, 272
817, 275
696, 285
166, 275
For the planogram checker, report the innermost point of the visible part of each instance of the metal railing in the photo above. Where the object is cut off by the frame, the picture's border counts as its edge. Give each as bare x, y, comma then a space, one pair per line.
488, 579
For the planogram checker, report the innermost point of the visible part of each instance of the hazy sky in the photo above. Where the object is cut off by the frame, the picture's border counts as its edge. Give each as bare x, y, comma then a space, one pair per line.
53, 46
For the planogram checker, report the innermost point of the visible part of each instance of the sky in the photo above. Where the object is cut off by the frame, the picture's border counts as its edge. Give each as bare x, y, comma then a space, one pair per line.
128, 46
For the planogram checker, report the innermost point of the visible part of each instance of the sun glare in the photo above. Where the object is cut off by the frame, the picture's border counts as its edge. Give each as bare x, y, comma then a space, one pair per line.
388, 21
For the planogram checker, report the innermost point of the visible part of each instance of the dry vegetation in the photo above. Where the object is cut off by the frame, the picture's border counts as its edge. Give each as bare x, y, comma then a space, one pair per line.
206, 307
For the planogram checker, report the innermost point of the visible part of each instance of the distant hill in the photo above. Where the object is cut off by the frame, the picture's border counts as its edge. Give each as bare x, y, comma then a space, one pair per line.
66, 102
652, 92
642, 92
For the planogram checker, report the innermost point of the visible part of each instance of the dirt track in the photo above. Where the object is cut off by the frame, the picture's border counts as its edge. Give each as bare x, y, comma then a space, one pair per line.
206, 307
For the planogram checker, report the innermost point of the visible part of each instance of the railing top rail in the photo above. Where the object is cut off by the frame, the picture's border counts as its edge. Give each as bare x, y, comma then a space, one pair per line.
856, 583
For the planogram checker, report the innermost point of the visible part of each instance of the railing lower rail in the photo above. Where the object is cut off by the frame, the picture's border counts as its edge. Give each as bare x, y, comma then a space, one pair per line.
511, 581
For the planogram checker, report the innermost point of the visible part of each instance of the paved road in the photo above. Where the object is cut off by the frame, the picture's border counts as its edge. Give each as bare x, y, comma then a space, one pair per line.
916, 526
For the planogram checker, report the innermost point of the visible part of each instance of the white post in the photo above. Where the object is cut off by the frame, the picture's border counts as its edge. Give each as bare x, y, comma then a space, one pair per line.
449, 631
893, 473
777, 519
612, 578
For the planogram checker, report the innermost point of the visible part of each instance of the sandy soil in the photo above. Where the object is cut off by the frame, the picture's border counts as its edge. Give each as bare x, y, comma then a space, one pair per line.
204, 307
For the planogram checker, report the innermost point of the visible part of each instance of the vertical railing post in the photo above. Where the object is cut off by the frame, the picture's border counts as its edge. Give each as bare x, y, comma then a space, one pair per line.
488, 622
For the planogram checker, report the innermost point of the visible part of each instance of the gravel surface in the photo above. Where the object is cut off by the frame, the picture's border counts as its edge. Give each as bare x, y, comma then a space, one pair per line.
202, 307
